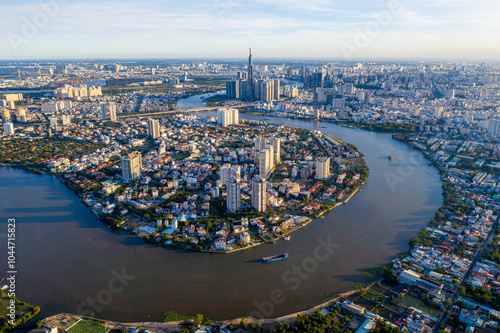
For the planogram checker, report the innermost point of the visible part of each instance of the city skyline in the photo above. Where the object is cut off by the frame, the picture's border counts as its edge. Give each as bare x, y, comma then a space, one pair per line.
56, 29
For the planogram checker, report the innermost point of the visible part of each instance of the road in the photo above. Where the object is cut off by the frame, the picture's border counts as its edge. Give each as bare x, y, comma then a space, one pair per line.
455, 295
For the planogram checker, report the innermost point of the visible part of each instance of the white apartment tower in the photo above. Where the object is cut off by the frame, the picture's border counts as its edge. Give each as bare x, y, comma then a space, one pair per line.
226, 117
323, 168
8, 128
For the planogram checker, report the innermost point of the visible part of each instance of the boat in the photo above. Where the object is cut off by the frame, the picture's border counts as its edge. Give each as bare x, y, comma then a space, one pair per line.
275, 258
389, 157
286, 237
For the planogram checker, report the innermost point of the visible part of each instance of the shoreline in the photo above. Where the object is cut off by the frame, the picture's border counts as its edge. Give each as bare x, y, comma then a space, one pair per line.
266, 322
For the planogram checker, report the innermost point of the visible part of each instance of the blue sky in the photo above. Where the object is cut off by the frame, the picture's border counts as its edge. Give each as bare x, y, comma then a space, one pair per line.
335, 29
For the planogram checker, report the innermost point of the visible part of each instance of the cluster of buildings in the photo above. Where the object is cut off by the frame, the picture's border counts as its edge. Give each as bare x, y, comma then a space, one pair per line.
242, 168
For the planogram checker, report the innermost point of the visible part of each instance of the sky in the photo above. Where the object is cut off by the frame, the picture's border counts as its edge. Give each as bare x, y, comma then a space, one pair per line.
333, 29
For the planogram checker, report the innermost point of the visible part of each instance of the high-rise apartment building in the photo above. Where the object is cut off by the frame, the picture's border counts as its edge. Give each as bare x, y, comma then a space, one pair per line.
226, 117
153, 128
224, 173
259, 196
233, 89
233, 199
108, 111
323, 168
8, 128
131, 166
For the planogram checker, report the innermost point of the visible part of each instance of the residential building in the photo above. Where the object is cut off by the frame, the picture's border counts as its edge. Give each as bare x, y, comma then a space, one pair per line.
323, 168
131, 166
259, 195
153, 128
233, 198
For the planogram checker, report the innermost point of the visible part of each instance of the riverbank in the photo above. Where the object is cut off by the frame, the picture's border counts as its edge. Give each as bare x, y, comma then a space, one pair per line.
13, 312
61, 320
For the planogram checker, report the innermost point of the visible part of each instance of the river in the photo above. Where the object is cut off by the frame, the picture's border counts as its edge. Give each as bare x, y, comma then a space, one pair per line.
66, 257
195, 101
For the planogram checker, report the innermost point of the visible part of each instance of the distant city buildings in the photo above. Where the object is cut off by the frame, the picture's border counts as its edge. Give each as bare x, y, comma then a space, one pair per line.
13, 97
315, 80
82, 91
131, 166
247, 87
56, 106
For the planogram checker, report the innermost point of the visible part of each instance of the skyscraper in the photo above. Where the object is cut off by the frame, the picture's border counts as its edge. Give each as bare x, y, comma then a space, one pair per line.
153, 128
250, 77
131, 166
233, 199
233, 89
112, 111
276, 142
259, 193
104, 111
276, 86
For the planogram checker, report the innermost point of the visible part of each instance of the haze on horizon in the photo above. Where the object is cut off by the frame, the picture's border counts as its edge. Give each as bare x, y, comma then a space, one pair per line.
63, 29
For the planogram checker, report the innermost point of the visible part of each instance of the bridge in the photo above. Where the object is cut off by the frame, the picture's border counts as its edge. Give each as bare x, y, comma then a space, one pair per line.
158, 113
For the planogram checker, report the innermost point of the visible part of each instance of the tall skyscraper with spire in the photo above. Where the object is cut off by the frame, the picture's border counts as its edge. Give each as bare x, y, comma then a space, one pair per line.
250, 77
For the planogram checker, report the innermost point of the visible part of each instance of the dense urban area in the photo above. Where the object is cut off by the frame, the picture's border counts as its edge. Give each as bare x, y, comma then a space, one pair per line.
114, 133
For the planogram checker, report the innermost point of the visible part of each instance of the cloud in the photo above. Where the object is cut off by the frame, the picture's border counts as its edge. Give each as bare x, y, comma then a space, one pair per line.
94, 27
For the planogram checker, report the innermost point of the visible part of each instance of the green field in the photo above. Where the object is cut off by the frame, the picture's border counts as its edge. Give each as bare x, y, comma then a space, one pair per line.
418, 304
85, 327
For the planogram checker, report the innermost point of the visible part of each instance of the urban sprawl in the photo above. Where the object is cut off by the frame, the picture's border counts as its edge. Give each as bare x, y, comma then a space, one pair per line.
113, 132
